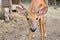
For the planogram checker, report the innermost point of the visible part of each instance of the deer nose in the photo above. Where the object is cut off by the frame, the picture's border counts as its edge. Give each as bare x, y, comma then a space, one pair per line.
33, 29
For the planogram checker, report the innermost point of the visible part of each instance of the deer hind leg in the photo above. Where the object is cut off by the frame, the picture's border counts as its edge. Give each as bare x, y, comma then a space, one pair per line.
42, 31
6, 14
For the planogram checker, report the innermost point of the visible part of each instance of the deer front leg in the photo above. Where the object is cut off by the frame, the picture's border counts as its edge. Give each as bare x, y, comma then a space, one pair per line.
29, 35
42, 32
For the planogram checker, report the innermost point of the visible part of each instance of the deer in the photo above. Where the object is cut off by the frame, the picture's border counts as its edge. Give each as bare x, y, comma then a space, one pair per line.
35, 13
6, 14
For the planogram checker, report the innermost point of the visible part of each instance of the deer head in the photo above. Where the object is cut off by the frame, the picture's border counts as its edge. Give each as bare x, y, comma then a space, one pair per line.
32, 17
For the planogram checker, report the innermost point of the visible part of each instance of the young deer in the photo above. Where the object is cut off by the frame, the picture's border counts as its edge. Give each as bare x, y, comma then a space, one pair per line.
34, 14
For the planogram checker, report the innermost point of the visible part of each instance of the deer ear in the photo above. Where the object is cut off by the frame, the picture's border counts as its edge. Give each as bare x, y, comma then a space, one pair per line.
42, 11
21, 11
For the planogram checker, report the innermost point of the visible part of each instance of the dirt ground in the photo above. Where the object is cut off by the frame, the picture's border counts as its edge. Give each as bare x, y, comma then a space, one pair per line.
17, 29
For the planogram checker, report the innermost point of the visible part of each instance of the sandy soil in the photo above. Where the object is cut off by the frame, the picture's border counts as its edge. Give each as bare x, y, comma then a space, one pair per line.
17, 29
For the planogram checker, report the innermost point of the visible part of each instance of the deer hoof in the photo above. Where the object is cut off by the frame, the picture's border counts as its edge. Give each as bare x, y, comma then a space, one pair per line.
45, 35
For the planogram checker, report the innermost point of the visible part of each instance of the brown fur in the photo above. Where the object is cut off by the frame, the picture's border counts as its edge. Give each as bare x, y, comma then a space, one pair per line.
33, 14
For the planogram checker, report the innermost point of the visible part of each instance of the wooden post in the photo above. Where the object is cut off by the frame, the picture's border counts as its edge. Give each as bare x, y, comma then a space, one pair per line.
55, 4
46, 1
11, 7
0, 5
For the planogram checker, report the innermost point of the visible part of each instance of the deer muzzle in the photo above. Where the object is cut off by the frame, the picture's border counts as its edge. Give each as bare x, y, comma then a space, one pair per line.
33, 29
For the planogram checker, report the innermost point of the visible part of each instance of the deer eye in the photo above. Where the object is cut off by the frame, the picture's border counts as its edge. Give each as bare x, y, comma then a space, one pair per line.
36, 18
38, 12
27, 18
